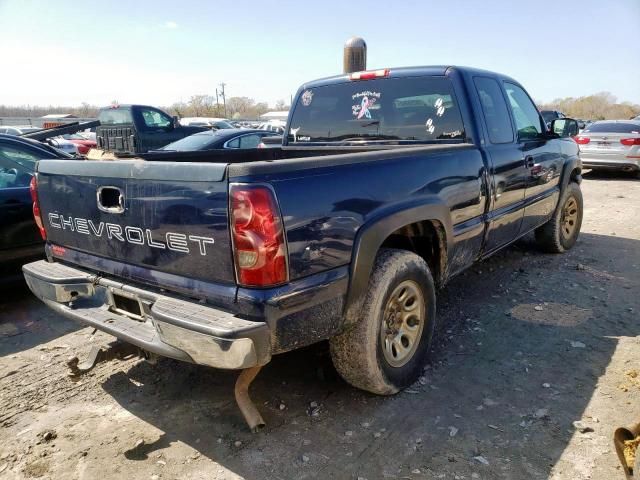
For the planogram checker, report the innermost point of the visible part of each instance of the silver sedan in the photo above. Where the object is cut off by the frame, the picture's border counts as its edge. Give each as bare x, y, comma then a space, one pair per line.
611, 144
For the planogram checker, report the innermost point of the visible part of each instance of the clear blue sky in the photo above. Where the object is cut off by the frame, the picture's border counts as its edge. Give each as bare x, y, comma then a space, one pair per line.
65, 52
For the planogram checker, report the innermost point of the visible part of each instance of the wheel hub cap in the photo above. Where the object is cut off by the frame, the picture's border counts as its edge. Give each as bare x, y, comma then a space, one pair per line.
569, 217
403, 322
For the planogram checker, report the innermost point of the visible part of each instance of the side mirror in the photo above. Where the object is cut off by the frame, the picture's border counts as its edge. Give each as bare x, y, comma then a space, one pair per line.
565, 127
176, 122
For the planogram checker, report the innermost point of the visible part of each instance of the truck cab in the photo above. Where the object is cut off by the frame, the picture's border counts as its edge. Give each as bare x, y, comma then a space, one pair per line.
138, 129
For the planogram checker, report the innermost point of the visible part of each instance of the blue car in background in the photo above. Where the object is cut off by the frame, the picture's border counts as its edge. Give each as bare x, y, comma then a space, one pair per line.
20, 238
229, 139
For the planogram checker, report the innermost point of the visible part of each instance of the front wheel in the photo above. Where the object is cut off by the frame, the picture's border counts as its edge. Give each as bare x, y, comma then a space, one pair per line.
387, 347
561, 232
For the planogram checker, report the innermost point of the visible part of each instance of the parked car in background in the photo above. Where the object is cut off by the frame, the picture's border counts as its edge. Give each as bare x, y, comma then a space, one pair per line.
214, 123
130, 129
274, 126
218, 139
82, 144
20, 238
612, 145
63, 145
551, 115
19, 130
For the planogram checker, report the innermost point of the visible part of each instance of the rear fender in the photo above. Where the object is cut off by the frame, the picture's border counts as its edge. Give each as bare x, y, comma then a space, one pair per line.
374, 232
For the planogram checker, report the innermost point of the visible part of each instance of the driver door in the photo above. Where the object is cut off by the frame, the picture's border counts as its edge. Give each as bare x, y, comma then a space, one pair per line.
542, 158
155, 129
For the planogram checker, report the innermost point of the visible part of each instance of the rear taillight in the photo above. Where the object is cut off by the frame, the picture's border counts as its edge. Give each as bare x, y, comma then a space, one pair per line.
33, 189
368, 75
260, 252
582, 140
630, 142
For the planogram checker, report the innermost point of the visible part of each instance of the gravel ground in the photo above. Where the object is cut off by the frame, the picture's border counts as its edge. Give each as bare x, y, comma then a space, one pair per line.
528, 343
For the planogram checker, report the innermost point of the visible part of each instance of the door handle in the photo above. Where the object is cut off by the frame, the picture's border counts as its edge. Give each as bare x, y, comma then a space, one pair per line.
528, 161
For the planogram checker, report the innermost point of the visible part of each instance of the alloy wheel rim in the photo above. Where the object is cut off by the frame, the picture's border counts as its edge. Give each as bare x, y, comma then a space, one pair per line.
402, 323
569, 218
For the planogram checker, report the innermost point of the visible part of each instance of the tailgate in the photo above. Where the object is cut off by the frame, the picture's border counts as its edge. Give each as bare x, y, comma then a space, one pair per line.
167, 216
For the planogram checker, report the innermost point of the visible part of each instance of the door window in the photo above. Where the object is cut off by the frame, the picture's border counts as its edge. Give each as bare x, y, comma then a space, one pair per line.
16, 167
246, 141
495, 110
155, 119
249, 141
525, 113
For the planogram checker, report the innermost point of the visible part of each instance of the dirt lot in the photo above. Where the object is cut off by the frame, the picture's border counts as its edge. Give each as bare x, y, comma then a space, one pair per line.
528, 344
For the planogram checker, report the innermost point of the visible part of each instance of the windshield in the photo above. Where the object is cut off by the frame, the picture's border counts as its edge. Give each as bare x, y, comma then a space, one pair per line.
199, 141
400, 109
613, 127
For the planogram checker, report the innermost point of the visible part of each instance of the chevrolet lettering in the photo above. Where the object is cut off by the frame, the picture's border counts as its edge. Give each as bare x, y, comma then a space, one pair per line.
177, 242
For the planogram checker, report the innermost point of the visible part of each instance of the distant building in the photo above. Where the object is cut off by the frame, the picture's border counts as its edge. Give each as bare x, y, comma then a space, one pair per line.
58, 116
56, 119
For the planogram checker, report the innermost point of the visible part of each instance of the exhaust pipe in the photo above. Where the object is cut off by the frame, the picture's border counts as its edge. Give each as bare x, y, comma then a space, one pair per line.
355, 55
249, 411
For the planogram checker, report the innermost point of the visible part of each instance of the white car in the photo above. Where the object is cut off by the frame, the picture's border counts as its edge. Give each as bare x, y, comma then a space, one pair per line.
216, 123
18, 130
275, 126
64, 145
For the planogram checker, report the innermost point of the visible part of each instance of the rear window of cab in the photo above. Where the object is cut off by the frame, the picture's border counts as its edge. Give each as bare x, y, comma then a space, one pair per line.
115, 116
412, 109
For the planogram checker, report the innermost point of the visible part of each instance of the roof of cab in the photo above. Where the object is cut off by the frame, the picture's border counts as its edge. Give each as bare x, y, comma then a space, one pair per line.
427, 70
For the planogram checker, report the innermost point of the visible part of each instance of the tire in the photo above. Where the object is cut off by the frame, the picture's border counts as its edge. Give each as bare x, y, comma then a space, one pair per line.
385, 361
561, 232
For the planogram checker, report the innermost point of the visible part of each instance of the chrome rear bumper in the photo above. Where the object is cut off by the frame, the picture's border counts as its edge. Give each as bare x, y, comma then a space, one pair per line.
157, 323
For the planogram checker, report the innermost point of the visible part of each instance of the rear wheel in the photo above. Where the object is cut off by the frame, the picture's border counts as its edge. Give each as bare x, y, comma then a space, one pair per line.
561, 232
387, 347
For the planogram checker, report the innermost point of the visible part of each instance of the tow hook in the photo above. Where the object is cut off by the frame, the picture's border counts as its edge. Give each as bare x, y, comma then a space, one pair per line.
247, 407
99, 354
627, 443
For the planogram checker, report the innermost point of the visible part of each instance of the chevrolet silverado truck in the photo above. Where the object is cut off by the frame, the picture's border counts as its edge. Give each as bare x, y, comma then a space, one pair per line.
132, 129
388, 183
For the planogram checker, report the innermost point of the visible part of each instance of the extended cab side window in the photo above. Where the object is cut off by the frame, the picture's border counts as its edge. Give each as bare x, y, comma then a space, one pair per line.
494, 109
525, 113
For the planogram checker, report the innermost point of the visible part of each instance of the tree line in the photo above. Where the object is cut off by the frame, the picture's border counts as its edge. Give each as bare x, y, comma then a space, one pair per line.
196, 106
599, 106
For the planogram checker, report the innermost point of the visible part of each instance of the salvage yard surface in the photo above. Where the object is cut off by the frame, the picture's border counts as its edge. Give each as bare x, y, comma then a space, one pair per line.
536, 362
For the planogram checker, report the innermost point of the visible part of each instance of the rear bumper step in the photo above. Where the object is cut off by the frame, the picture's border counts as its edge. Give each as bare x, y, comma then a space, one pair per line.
163, 325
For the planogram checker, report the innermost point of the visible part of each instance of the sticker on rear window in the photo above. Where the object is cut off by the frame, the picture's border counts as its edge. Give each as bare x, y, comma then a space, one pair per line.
307, 98
430, 126
439, 107
294, 132
367, 102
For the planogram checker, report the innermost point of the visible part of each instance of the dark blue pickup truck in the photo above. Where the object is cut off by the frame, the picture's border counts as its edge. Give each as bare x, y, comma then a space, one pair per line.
388, 184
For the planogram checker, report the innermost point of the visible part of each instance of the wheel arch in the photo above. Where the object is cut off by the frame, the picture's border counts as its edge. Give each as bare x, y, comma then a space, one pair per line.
399, 228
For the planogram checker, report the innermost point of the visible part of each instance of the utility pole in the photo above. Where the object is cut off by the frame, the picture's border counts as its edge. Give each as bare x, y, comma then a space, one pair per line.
224, 99
217, 104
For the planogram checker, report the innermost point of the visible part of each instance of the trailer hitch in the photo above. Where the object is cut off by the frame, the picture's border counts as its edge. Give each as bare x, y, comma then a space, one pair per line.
101, 353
